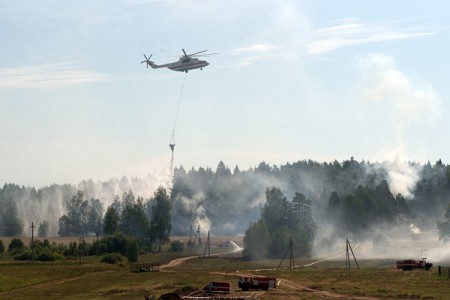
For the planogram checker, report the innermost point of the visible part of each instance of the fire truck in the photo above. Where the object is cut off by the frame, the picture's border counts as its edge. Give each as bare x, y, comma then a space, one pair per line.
409, 264
256, 283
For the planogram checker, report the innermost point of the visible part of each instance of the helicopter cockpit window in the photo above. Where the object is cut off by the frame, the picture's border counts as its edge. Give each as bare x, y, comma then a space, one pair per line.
186, 60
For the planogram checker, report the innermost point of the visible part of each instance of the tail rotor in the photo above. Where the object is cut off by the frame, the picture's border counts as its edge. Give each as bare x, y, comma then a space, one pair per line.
147, 60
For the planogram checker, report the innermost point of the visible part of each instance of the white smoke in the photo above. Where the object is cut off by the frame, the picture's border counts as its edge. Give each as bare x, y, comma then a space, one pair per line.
402, 100
405, 99
402, 176
144, 187
202, 219
52, 201
414, 229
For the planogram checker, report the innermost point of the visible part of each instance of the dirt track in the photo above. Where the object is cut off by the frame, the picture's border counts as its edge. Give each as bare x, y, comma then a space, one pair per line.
175, 262
287, 289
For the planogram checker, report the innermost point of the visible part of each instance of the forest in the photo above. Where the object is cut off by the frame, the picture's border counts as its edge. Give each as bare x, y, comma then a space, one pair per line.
309, 200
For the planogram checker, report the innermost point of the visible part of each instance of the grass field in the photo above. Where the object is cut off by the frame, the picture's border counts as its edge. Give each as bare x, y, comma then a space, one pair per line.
376, 279
94, 280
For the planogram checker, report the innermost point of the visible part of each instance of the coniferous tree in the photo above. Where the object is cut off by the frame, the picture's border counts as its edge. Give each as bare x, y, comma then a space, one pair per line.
111, 221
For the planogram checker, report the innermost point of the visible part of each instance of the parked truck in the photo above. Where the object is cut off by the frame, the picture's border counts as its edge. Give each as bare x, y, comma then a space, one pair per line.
217, 287
410, 264
257, 283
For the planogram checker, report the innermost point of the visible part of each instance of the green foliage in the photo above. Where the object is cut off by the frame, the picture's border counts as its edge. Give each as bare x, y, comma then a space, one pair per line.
83, 216
353, 196
177, 246
43, 229
111, 258
256, 240
10, 225
160, 225
280, 221
132, 250
98, 247
2, 247
133, 220
111, 221
116, 243
15, 244
23, 255
46, 256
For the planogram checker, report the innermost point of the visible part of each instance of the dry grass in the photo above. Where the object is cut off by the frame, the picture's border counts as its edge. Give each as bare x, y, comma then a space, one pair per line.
57, 240
377, 279
94, 280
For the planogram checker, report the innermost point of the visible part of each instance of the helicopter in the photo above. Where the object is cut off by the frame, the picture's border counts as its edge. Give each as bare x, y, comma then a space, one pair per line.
184, 64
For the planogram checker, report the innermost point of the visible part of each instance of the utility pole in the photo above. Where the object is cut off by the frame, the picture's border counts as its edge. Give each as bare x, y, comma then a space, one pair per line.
291, 258
208, 246
199, 239
347, 255
79, 249
32, 241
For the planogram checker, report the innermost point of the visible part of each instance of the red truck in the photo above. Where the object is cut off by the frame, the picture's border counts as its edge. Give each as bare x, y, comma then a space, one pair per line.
256, 283
218, 287
409, 264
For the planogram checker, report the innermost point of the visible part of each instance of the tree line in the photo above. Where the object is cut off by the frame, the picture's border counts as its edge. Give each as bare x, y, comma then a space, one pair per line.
350, 197
147, 221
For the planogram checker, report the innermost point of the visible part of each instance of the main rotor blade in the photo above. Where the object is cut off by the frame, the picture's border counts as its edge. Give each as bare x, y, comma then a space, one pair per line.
207, 54
197, 52
184, 52
172, 54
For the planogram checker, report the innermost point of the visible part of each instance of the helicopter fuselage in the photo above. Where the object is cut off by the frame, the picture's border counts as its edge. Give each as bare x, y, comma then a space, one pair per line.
186, 64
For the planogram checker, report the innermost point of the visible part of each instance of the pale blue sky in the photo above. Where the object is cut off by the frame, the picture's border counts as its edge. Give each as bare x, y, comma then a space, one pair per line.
293, 80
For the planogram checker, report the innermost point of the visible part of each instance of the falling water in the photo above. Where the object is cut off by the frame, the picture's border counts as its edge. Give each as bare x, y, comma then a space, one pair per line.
236, 247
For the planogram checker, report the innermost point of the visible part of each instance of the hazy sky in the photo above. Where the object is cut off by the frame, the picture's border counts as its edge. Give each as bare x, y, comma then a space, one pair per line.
293, 80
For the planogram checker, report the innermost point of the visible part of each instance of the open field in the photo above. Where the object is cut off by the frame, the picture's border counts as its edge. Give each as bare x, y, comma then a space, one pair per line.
94, 280
90, 279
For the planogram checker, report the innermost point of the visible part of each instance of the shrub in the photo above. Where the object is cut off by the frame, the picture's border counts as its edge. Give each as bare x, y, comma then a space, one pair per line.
116, 243
98, 247
24, 255
111, 258
46, 256
15, 244
176, 246
132, 250
2, 247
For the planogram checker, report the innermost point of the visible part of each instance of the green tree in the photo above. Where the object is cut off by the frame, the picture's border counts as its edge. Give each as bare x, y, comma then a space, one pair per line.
10, 225
334, 203
222, 170
276, 210
75, 221
43, 229
286, 220
2, 247
132, 250
94, 218
133, 221
301, 208
111, 221
161, 225
256, 241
